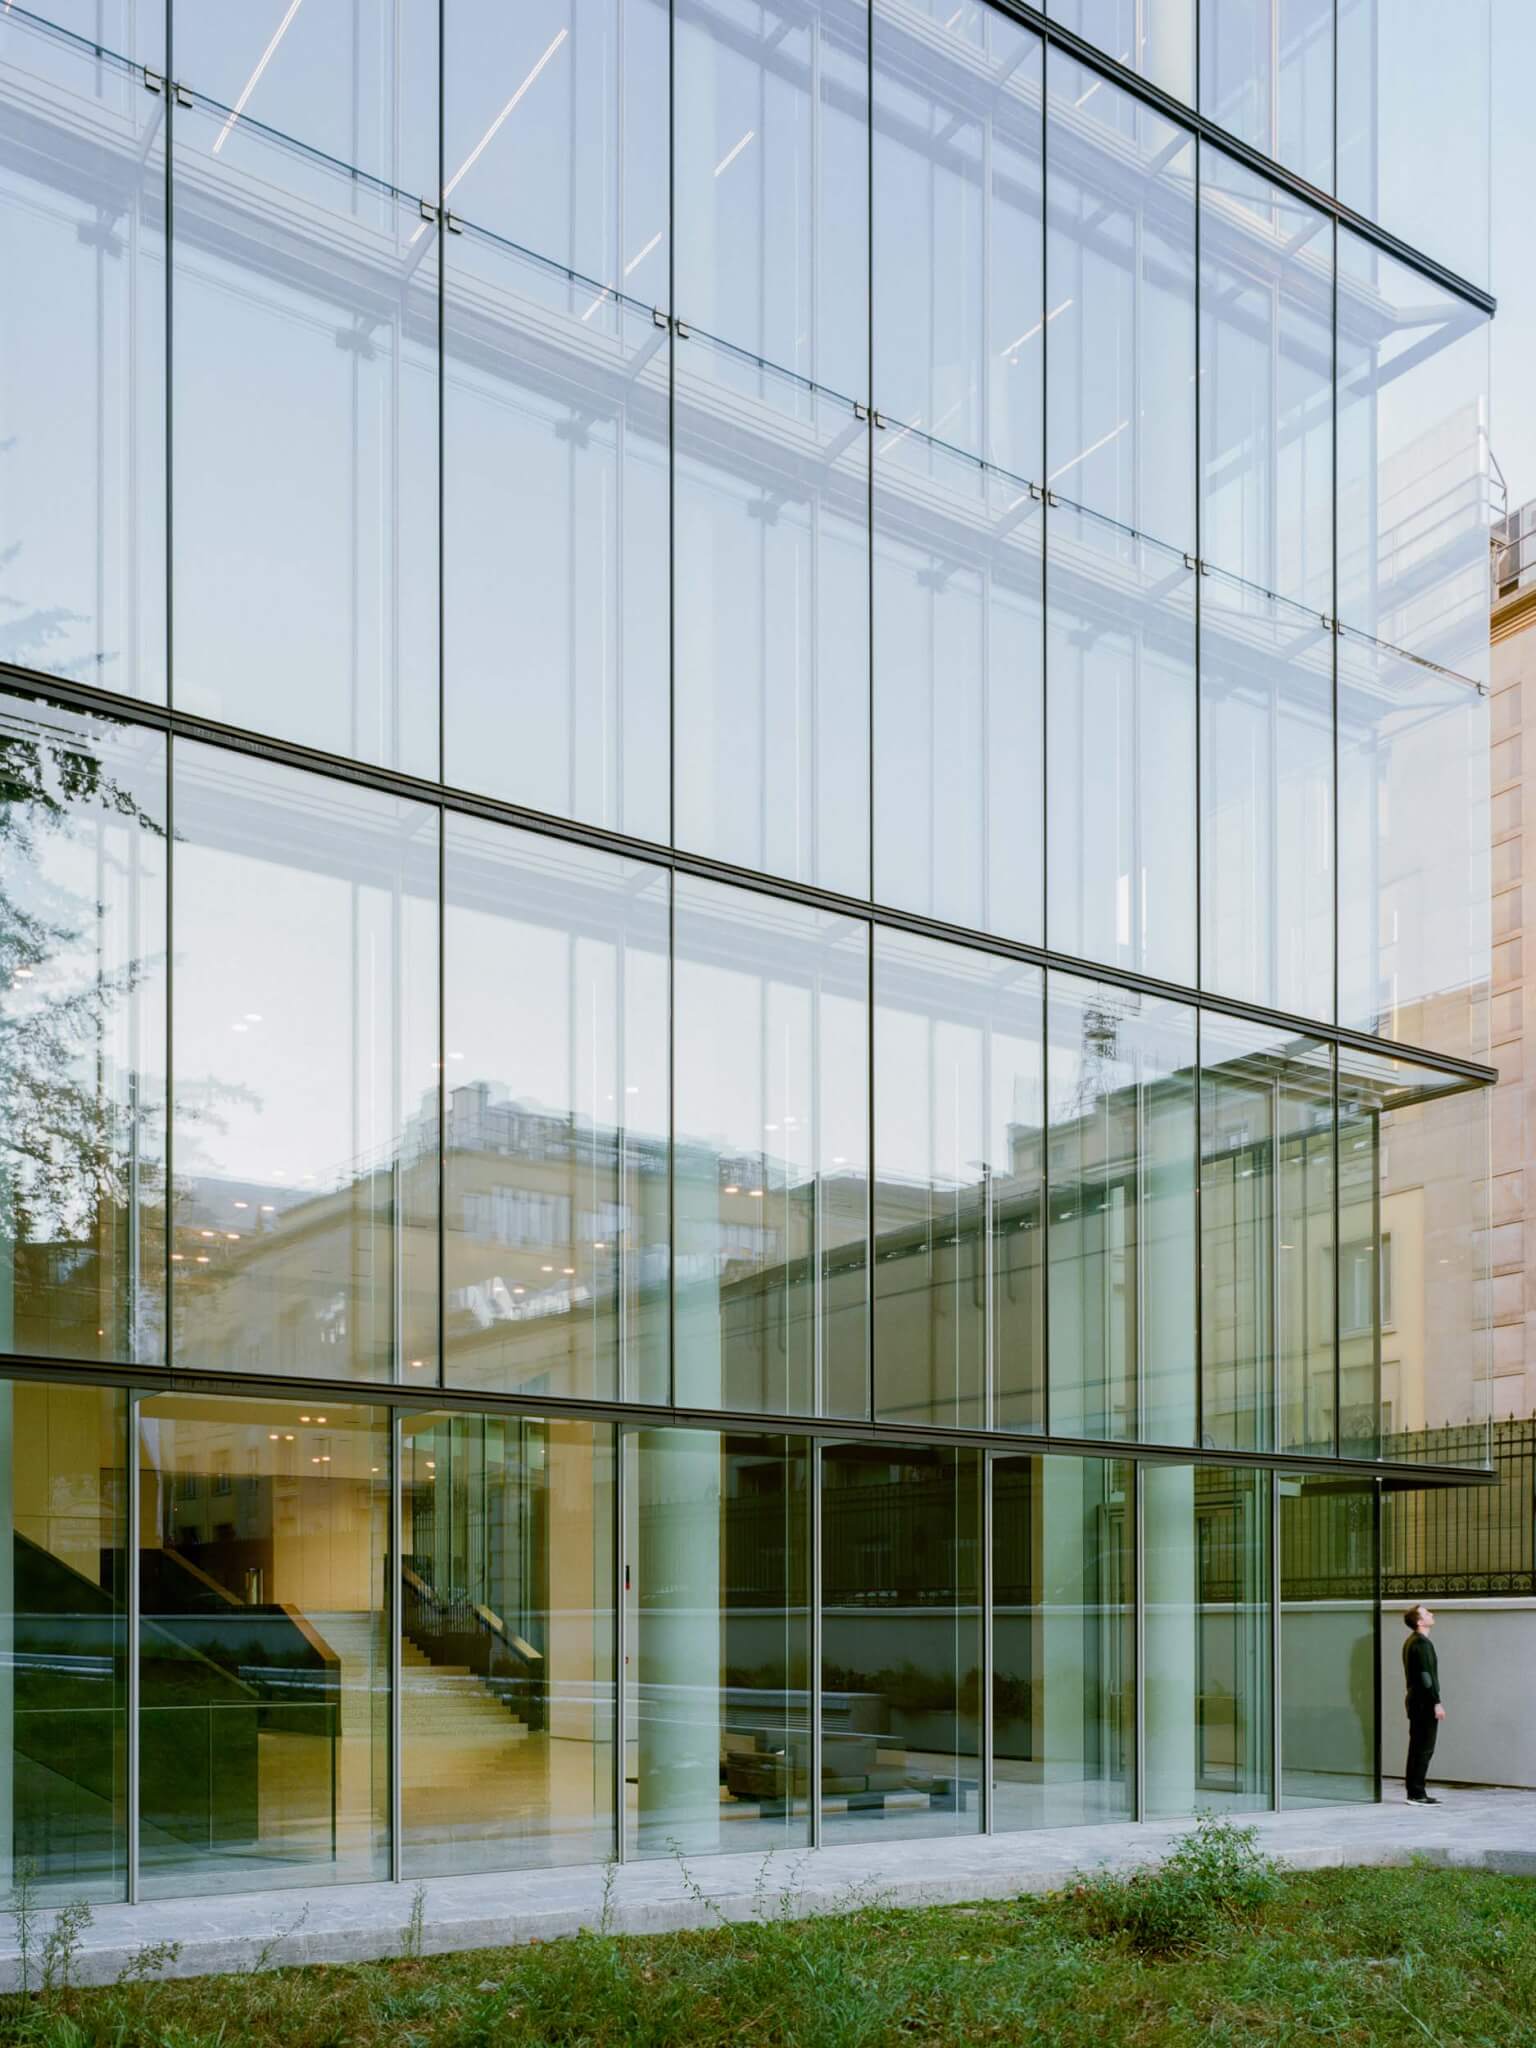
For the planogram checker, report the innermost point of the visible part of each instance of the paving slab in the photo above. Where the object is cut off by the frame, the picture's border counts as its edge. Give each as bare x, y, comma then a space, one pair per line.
229, 1929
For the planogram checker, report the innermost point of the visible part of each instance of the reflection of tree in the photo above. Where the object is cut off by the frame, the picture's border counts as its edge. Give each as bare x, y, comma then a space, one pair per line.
69, 1139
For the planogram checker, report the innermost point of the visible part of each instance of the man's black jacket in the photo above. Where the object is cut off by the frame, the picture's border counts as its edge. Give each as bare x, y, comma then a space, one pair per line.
1421, 1672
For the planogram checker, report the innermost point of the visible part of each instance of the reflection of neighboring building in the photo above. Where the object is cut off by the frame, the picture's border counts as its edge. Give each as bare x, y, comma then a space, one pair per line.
1512, 1302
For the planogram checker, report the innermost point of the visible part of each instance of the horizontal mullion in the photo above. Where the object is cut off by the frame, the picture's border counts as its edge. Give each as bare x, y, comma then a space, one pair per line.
445, 797
1184, 116
1399, 1473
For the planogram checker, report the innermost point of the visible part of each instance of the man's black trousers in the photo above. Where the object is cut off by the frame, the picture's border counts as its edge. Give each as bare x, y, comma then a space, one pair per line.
1422, 1730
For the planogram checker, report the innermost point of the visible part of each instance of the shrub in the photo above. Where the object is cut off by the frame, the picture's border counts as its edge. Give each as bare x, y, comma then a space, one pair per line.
1214, 1878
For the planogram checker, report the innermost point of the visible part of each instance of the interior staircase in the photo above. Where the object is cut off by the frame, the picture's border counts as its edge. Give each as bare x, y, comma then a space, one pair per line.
458, 1737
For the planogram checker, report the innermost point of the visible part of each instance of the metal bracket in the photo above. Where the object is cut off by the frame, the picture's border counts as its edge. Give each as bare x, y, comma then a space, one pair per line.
860, 409
453, 224
878, 418
682, 330
153, 82
1192, 563
659, 319
1036, 494
427, 210
183, 97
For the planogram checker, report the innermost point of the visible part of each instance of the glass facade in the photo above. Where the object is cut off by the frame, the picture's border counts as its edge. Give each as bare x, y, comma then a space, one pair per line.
744, 766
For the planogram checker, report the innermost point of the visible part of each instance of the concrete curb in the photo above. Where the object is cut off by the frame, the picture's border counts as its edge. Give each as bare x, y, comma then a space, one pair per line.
372, 1923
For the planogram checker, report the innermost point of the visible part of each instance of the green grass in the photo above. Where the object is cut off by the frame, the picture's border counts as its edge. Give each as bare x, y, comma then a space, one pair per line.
1413, 1956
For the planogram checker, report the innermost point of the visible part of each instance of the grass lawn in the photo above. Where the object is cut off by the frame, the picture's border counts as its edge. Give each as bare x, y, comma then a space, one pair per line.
1414, 1956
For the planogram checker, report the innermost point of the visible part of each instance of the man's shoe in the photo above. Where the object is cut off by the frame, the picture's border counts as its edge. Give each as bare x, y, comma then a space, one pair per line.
1428, 1799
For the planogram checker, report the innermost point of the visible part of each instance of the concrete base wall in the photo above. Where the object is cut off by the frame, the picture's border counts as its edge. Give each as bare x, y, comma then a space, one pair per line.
1487, 1651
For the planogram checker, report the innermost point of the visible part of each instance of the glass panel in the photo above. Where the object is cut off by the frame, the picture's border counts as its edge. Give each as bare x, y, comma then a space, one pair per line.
900, 1642
555, 521
82, 1035
1416, 1292
578, 84
263, 1645
959, 726
1120, 777
1266, 1239
771, 1176
1415, 492
771, 182
1266, 74
1414, 835
555, 1167
957, 255
1206, 1646
1266, 384
1411, 70
1063, 1642
354, 79
63, 1641
82, 351
304, 447
305, 1021
958, 1103
1120, 306
1266, 799
1153, 37
1328, 1654
1121, 1173
506, 1613
771, 620
717, 1593
134, 29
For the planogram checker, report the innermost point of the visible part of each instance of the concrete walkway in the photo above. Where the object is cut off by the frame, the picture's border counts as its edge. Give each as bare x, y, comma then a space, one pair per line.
358, 1923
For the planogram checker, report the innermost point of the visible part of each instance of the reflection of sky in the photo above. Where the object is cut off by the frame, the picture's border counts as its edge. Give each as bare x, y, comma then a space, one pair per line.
1514, 247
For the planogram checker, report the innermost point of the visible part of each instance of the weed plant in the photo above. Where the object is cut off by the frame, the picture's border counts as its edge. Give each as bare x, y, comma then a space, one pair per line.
1215, 1948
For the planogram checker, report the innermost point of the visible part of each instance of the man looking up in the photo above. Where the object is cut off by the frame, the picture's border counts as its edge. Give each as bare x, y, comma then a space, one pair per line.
1421, 1675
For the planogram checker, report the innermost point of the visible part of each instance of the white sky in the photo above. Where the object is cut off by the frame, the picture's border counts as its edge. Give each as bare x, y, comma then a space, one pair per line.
1514, 245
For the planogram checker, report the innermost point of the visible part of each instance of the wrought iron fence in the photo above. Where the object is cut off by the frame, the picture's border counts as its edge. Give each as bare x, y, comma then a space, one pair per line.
1452, 1541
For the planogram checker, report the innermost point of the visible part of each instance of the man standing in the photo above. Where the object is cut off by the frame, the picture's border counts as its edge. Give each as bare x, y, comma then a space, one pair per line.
1421, 1674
